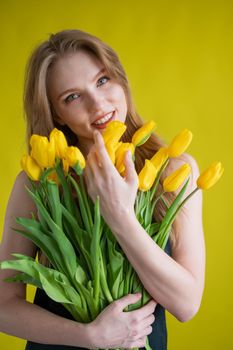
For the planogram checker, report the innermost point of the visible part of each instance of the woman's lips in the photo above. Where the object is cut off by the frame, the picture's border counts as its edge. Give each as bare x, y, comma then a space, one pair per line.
102, 126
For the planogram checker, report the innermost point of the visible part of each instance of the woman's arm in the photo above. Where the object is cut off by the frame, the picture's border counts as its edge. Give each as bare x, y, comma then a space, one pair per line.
176, 282
113, 328
17, 316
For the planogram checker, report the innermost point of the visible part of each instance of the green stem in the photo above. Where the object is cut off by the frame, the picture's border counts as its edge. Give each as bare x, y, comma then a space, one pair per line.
186, 198
95, 253
82, 205
165, 202
103, 281
85, 199
156, 200
155, 185
163, 240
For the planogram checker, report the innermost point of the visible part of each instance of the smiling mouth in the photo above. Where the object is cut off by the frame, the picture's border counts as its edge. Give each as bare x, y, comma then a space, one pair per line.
101, 123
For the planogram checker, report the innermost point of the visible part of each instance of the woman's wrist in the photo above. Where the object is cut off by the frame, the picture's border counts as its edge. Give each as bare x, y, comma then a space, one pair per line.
81, 334
92, 335
126, 220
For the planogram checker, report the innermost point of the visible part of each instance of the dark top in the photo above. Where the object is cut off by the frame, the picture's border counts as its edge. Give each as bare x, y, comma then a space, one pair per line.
157, 339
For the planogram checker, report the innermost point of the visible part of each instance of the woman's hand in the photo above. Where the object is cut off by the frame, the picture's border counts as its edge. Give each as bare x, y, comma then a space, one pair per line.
117, 194
113, 328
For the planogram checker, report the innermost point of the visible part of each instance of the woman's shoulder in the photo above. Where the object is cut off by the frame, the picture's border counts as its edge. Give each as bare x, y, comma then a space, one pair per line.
21, 177
19, 199
175, 163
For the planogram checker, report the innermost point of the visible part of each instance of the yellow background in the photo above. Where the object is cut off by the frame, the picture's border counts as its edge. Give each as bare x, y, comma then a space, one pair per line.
178, 57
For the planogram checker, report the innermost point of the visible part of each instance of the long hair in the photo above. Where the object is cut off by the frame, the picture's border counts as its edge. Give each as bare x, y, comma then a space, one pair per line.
40, 114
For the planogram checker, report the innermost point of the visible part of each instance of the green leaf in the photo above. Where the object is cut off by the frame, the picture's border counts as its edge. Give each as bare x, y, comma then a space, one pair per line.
88, 298
95, 252
54, 200
23, 265
47, 244
116, 261
64, 245
23, 277
80, 275
82, 204
80, 239
121, 289
116, 284
54, 290
21, 256
67, 193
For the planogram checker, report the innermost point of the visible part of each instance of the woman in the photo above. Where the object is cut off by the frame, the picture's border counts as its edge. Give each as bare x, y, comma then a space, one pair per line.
76, 83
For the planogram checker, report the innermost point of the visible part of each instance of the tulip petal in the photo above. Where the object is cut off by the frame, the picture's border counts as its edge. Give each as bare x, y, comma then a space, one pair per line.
180, 143
173, 181
210, 176
147, 176
31, 168
59, 139
143, 133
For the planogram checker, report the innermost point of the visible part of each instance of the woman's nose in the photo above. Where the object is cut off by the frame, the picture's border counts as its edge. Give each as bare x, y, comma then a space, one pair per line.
96, 102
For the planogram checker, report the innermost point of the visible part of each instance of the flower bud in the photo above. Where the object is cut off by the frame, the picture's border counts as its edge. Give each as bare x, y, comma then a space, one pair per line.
180, 143
111, 148
147, 176
143, 133
31, 168
210, 176
121, 153
173, 181
73, 158
43, 151
160, 157
60, 142
113, 131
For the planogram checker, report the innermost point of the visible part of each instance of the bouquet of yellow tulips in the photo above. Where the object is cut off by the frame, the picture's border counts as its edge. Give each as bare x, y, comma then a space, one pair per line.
89, 269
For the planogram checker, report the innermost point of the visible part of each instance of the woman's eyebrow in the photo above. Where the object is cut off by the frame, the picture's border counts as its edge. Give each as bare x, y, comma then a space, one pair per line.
75, 88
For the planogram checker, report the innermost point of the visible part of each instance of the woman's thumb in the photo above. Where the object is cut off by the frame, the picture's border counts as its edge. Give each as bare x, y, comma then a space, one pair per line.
129, 299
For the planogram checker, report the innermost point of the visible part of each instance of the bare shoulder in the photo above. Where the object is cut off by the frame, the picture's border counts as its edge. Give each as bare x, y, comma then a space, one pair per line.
183, 158
19, 205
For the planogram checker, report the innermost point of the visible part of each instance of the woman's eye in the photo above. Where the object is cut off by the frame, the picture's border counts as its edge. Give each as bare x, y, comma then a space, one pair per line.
70, 98
104, 78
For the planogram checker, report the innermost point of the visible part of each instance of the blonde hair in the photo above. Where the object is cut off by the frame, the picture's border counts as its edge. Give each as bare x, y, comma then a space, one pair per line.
39, 112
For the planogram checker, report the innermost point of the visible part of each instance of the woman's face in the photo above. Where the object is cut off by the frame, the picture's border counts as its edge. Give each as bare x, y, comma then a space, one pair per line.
82, 93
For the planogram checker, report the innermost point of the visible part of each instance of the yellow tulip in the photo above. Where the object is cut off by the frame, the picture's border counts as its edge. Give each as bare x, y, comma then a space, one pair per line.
31, 168
43, 151
60, 142
160, 157
143, 133
210, 176
73, 156
113, 131
180, 143
111, 148
147, 176
120, 155
174, 180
